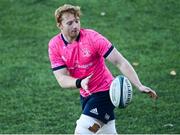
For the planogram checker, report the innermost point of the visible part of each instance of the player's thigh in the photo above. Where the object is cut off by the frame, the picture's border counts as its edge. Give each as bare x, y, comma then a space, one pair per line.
87, 125
109, 128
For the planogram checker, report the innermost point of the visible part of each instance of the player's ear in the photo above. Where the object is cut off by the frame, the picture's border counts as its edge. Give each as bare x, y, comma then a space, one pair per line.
59, 26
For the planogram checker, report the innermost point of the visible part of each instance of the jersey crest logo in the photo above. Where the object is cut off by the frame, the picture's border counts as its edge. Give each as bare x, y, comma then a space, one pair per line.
86, 52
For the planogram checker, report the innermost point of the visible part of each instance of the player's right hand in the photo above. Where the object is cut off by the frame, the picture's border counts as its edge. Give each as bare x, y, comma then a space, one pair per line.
85, 81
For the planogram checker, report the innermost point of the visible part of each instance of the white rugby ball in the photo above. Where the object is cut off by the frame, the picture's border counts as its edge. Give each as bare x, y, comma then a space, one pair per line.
120, 92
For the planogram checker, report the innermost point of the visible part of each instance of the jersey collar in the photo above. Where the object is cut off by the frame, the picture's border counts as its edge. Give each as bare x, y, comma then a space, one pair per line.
66, 42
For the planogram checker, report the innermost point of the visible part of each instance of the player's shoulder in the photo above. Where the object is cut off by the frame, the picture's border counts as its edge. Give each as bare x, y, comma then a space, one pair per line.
55, 40
88, 31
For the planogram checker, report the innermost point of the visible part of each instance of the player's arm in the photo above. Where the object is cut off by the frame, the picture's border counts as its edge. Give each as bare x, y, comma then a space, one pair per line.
126, 68
66, 81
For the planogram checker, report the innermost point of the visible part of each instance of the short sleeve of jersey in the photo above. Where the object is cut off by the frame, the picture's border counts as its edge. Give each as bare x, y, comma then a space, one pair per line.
55, 56
101, 44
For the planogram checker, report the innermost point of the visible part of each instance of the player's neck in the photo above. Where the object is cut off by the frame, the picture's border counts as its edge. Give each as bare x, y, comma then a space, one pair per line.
69, 39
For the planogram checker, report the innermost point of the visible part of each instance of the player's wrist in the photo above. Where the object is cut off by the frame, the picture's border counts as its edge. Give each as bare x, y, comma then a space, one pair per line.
139, 86
78, 83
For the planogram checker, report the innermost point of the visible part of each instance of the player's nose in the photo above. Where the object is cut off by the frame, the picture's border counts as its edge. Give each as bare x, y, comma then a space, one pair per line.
75, 25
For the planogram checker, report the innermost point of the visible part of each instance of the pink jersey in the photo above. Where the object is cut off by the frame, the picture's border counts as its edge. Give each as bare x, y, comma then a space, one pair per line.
83, 57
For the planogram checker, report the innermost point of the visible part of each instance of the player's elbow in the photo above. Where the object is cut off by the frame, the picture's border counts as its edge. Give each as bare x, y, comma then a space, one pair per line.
117, 63
125, 65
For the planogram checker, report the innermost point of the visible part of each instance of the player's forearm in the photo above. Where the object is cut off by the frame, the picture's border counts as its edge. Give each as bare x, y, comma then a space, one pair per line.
129, 71
66, 81
124, 66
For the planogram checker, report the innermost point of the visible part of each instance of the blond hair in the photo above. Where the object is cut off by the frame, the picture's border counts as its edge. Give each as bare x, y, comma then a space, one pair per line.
66, 8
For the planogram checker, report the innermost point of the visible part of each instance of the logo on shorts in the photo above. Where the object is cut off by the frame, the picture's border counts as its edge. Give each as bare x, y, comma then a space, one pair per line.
107, 116
94, 111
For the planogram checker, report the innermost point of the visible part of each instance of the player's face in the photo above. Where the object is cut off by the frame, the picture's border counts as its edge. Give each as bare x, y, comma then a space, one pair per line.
70, 26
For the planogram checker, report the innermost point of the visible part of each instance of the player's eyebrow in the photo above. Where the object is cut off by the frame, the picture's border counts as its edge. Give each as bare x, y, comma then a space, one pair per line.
75, 19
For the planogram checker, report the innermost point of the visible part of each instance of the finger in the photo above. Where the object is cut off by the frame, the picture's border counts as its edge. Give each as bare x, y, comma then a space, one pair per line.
88, 92
145, 91
152, 94
89, 76
85, 87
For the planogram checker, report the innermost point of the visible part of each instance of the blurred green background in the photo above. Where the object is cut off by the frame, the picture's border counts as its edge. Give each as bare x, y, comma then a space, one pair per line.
146, 32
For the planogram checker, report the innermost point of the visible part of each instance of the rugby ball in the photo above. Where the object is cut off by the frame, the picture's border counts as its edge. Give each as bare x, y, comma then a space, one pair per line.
120, 92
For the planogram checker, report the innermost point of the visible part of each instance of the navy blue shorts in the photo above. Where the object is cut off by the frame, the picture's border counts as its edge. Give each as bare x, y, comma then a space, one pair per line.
99, 106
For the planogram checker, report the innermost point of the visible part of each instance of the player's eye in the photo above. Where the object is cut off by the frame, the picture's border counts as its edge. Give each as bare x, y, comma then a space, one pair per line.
69, 23
77, 21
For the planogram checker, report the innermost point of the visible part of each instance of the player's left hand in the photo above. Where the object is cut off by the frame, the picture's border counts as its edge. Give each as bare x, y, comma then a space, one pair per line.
149, 91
